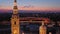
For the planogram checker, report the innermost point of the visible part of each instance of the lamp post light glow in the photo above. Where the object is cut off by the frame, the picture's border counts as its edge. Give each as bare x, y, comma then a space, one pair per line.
15, 31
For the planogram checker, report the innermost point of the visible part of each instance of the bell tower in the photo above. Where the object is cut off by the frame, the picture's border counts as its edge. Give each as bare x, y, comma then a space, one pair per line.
15, 28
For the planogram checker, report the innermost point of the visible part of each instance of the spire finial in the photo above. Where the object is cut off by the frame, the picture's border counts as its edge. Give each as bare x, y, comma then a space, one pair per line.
15, 1
42, 22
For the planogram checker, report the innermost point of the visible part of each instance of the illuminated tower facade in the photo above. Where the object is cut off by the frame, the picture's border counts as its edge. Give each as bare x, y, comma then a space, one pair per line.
42, 29
15, 20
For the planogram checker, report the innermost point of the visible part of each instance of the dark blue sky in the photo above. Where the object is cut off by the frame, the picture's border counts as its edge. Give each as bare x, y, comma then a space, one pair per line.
31, 3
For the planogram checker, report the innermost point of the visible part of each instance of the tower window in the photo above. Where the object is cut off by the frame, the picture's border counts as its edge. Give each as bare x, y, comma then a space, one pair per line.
15, 23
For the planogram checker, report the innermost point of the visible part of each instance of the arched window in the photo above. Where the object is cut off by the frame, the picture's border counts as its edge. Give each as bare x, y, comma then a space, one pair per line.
14, 23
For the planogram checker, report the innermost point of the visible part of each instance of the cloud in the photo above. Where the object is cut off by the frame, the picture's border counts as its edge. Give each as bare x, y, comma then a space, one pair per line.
37, 8
29, 6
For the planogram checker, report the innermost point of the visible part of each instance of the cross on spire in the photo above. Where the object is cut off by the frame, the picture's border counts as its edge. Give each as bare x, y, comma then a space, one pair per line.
15, 1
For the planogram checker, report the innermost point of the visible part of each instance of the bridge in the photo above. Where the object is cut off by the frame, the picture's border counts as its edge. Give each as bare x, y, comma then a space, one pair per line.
30, 20
34, 19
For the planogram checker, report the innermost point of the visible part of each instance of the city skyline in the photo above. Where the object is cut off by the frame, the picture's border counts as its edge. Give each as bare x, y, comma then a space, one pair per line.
31, 4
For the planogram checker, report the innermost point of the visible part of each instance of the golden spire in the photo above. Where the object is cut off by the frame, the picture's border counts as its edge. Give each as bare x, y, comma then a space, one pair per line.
15, 9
